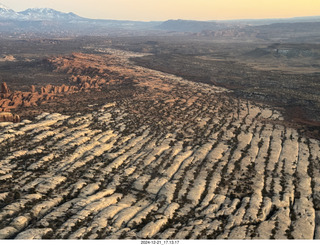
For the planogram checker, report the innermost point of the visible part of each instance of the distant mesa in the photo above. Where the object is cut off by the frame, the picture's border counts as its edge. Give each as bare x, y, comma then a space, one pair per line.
190, 26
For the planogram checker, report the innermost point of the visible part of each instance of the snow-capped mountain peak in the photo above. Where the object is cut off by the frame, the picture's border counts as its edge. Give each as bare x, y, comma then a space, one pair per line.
36, 14
5, 9
40, 10
6, 13
47, 13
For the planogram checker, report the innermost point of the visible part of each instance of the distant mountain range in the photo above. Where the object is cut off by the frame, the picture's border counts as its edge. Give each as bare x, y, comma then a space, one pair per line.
257, 22
50, 21
191, 25
36, 14
47, 14
215, 25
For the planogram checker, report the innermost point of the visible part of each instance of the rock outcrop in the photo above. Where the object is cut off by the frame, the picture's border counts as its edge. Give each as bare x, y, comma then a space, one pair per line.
4, 88
89, 72
12, 100
9, 117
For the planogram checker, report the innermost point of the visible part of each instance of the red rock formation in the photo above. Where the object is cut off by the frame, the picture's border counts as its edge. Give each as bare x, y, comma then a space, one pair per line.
56, 90
85, 85
4, 88
26, 103
102, 81
49, 88
11, 100
9, 117
5, 103
88, 72
65, 88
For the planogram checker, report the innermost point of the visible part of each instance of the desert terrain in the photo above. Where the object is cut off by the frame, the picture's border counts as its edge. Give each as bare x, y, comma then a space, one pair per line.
173, 130
115, 150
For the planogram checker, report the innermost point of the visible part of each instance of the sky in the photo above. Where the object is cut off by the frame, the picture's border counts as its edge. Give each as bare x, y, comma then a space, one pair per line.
159, 10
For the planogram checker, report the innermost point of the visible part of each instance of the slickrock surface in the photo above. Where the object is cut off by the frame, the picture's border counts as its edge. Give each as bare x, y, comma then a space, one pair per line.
179, 160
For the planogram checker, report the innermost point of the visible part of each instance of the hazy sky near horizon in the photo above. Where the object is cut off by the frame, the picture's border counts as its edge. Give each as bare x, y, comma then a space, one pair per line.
175, 9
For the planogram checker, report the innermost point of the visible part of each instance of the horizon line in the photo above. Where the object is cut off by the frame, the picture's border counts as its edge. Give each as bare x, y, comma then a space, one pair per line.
164, 20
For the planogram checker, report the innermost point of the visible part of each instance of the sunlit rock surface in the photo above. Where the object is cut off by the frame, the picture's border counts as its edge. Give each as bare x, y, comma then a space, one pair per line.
181, 161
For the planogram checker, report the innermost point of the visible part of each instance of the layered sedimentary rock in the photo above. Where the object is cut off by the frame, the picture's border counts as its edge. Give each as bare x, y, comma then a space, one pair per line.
179, 160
